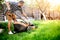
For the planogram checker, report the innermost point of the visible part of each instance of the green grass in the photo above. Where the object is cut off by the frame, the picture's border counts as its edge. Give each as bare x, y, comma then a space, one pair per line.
47, 30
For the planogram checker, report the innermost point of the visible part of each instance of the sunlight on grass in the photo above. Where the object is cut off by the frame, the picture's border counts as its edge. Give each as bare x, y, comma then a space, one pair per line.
47, 30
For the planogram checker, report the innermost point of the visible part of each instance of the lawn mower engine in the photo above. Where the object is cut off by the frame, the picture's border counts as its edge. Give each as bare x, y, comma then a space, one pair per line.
19, 28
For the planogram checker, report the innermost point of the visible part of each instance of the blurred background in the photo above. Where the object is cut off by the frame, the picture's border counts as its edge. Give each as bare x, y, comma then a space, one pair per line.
38, 9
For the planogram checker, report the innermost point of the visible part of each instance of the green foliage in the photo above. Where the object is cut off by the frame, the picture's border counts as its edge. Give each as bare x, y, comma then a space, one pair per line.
1, 1
1, 6
47, 30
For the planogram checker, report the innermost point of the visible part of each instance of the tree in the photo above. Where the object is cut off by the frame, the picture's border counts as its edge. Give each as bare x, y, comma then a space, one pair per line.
1, 1
43, 6
1, 6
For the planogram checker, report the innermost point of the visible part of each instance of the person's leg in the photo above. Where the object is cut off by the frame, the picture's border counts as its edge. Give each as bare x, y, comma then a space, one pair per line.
9, 18
9, 25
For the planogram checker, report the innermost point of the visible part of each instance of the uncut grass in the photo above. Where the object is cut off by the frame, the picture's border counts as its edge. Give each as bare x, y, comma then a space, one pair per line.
47, 30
